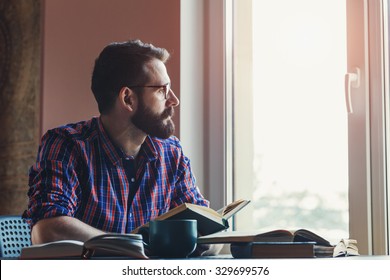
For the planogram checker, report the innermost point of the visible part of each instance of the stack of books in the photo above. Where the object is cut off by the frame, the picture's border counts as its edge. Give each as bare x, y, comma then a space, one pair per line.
280, 243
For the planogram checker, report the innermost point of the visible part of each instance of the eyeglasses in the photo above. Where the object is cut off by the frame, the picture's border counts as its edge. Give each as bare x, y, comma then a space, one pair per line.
164, 90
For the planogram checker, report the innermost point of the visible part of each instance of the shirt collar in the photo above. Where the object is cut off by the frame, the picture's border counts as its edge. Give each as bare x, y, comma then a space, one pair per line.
148, 151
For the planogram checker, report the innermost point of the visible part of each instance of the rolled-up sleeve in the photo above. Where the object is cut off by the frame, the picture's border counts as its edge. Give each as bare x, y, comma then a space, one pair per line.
53, 183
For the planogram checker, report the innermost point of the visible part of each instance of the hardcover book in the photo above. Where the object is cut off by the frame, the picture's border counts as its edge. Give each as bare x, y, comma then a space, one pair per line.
273, 250
345, 248
209, 220
106, 245
281, 235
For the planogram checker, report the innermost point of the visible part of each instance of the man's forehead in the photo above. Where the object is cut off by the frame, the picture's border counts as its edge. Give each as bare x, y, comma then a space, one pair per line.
157, 71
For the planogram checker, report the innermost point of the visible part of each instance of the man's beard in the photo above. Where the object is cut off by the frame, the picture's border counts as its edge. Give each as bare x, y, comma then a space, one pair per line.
153, 124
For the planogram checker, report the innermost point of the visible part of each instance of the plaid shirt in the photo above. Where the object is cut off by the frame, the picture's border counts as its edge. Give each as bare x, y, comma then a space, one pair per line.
80, 173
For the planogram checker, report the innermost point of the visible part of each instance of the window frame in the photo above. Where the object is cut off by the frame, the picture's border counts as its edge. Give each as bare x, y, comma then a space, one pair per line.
368, 186
202, 88
379, 125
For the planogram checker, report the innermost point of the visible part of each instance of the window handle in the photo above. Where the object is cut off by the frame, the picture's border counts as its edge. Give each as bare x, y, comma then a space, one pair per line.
352, 80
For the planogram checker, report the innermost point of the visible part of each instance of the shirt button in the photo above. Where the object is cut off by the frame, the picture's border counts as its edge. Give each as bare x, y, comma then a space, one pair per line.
132, 180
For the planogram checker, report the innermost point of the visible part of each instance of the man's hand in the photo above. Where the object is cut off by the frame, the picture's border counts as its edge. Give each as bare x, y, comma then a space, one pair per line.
207, 250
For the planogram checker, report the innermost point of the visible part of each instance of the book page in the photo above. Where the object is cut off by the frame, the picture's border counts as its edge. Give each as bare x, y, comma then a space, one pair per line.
307, 235
247, 236
233, 208
55, 249
228, 236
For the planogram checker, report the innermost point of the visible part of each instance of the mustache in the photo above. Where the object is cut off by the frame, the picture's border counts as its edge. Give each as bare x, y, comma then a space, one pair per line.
169, 112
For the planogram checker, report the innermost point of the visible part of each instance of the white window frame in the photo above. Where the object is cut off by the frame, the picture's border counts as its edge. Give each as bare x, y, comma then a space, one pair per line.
379, 123
368, 183
202, 96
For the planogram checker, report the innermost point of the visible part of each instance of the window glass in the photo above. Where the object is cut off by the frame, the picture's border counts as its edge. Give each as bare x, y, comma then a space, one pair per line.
299, 150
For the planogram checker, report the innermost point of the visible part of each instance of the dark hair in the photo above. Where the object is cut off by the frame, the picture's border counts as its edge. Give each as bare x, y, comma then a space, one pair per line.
119, 65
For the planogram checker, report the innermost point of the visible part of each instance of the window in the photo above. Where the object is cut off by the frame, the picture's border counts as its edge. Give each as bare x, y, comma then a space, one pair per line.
308, 151
217, 113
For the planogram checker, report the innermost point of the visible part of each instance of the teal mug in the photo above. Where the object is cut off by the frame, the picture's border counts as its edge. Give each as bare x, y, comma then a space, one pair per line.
172, 238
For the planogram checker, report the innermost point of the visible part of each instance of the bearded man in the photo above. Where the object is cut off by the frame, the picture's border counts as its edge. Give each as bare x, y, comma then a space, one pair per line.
115, 172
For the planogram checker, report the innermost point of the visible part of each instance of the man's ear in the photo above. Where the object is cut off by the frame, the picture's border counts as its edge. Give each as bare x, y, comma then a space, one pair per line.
127, 98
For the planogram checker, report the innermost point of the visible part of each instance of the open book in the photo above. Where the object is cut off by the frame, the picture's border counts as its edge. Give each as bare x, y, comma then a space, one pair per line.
106, 245
281, 235
209, 220
346, 248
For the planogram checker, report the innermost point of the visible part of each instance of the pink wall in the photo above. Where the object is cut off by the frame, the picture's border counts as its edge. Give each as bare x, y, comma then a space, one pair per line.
76, 31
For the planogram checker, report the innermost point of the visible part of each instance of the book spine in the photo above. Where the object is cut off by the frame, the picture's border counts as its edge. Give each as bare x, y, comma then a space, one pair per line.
253, 250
